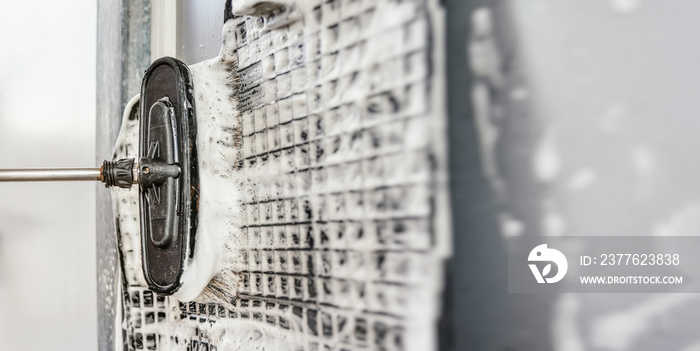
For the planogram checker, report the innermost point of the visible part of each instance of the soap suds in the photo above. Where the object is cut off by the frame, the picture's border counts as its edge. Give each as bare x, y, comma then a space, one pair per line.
510, 226
546, 162
343, 234
219, 142
553, 223
125, 202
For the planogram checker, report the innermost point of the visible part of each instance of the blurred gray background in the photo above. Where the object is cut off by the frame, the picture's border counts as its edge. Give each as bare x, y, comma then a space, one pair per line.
570, 118
47, 231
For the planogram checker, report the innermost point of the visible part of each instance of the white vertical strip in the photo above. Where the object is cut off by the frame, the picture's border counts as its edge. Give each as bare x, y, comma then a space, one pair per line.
163, 28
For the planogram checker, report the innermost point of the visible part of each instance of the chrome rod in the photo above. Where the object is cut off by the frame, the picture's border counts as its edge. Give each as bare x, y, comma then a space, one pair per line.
50, 174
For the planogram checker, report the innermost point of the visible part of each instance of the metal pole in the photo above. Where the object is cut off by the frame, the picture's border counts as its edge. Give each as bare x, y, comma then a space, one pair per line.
50, 174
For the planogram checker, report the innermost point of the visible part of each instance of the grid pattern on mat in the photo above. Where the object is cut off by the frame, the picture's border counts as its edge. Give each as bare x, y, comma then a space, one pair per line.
338, 249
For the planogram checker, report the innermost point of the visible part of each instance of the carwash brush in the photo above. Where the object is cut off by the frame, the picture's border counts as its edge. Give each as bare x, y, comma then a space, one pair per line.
199, 259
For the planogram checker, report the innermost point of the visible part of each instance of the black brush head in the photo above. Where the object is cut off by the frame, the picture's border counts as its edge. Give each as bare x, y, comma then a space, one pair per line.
168, 173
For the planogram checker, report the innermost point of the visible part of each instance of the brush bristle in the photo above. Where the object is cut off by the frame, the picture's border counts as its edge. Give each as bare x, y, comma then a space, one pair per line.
222, 289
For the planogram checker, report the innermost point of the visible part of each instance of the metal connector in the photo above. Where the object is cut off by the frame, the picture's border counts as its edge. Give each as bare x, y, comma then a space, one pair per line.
121, 173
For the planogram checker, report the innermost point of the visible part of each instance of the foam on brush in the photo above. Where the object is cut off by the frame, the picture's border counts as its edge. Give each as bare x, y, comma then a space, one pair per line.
210, 276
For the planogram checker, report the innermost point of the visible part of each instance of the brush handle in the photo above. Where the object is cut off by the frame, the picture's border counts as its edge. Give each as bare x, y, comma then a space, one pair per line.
122, 173
50, 175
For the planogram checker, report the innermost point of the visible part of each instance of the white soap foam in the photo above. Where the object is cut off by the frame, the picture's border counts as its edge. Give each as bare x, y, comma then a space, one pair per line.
220, 182
546, 162
222, 186
125, 202
510, 226
218, 145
